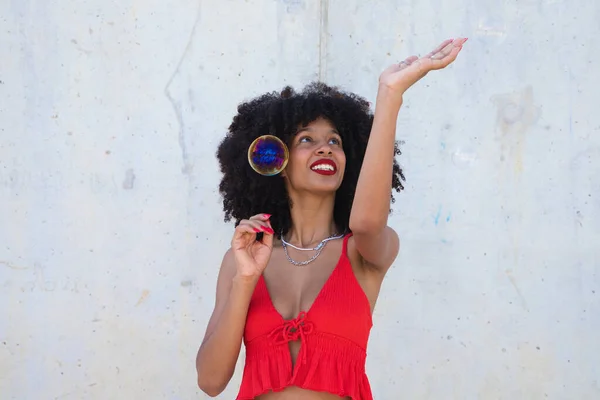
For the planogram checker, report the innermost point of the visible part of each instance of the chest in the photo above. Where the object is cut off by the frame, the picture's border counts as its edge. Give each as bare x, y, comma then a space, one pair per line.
294, 288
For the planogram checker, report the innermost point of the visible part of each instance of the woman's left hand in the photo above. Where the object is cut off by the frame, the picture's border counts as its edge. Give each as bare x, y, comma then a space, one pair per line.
399, 77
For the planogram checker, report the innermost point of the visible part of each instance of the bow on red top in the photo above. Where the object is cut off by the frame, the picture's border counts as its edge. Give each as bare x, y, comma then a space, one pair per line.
292, 330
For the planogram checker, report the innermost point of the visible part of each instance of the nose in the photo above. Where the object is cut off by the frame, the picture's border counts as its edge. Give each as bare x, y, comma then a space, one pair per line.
324, 149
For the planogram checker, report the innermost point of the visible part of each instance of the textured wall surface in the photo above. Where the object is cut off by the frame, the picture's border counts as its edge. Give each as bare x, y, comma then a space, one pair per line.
111, 230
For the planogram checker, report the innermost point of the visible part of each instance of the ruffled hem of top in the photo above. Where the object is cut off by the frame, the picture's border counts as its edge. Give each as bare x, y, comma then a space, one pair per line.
326, 370
265, 372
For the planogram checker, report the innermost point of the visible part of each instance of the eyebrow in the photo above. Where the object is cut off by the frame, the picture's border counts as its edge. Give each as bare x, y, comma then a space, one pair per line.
307, 129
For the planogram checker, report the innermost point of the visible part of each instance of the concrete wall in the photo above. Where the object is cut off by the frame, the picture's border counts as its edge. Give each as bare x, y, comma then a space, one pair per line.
111, 229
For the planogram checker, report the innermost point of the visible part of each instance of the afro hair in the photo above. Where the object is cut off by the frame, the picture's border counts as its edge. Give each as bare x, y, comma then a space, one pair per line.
246, 193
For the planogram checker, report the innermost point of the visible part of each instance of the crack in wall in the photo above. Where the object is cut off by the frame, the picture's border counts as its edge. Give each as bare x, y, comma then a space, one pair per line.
187, 166
323, 35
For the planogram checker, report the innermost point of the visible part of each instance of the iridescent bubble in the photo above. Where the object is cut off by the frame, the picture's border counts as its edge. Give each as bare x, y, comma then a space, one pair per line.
268, 155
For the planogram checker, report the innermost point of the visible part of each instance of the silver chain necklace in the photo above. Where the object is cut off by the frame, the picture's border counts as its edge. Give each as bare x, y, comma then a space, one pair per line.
318, 249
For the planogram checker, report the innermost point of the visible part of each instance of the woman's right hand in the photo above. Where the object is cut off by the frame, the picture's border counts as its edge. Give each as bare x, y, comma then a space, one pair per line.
252, 256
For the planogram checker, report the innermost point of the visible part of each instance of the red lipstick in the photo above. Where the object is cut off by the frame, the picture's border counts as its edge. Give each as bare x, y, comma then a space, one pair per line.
324, 166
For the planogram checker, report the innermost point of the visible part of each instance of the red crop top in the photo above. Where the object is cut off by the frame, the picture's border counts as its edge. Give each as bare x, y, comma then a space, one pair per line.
333, 333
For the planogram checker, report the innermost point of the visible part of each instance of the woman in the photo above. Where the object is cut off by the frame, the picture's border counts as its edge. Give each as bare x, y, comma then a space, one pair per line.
311, 245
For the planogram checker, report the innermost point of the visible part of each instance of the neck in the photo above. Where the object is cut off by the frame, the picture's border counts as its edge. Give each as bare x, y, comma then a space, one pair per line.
312, 220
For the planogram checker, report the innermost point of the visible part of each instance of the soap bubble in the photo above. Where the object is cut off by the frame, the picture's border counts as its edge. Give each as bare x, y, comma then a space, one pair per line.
268, 155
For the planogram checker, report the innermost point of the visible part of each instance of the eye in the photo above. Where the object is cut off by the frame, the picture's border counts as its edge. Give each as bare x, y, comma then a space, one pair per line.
335, 141
305, 139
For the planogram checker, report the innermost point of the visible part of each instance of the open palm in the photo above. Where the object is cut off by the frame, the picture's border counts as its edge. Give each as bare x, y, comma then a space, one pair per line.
400, 77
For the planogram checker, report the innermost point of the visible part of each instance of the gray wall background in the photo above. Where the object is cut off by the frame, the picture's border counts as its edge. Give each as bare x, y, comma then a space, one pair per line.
111, 229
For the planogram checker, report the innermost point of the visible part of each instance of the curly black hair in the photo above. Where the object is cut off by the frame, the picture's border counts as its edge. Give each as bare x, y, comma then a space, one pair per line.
246, 193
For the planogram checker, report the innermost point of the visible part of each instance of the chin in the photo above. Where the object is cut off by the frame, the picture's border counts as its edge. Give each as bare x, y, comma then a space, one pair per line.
324, 187
316, 185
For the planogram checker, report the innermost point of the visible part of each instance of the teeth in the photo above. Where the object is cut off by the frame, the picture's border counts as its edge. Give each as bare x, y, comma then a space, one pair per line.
323, 167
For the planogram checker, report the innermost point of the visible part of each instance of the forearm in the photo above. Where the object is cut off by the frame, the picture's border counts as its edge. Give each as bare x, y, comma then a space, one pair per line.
371, 204
218, 354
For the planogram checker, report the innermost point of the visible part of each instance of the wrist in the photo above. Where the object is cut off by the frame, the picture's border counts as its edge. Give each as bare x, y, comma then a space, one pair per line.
242, 288
389, 98
245, 280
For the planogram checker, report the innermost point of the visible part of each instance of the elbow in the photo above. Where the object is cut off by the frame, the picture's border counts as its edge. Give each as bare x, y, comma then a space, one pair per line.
212, 382
212, 377
210, 387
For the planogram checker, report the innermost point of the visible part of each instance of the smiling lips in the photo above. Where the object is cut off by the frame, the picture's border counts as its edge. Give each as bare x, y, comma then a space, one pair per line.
324, 167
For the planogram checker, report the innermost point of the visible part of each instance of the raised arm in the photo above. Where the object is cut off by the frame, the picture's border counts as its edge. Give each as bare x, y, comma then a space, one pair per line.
377, 243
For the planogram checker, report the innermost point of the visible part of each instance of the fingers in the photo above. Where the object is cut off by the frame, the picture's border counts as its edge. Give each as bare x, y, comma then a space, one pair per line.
267, 239
440, 47
446, 48
264, 225
447, 60
441, 57
447, 54
260, 217
255, 224
247, 230
258, 223
407, 62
